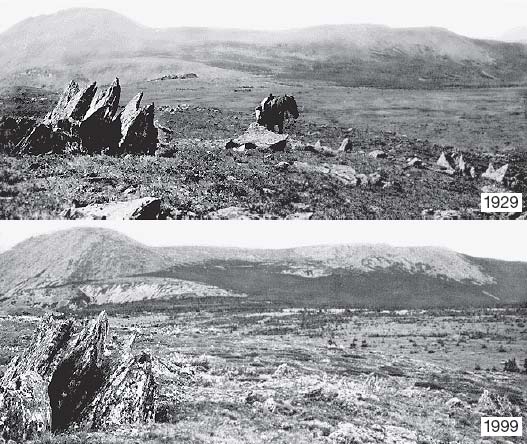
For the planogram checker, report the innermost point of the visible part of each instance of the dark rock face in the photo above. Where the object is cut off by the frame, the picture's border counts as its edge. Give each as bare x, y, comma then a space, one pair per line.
97, 130
44, 139
13, 130
63, 380
89, 122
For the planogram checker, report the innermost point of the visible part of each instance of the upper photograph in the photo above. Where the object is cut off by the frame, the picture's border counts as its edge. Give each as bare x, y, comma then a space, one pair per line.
277, 110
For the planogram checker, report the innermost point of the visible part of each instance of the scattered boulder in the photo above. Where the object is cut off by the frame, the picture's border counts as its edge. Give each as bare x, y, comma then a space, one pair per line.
492, 404
446, 163
147, 208
261, 138
283, 166
415, 163
232, 213
466, 214
318, 148
378, 154
65, 380
343, 173
499, 175
346, 146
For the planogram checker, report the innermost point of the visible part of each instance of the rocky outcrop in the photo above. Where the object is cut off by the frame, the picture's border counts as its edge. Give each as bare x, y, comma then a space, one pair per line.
455, 163
147, 208
90, 122
64, 380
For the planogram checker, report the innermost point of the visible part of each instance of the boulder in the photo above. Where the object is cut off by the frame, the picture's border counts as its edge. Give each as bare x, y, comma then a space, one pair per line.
499, 175
262, 138
446, 163
466, 214
147, 208
378, 154
415, 163
25, 408
232, 213
343, 173
139, 134
318, 148
346, 146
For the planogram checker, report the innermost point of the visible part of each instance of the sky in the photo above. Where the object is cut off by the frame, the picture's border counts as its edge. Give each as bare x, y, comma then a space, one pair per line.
474, 18
493, 239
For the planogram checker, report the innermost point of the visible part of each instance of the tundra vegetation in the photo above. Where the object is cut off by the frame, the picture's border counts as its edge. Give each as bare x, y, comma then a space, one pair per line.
229, 372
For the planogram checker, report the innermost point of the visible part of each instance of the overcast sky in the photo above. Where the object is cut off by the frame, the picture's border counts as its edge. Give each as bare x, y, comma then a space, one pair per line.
477, 18
501, 240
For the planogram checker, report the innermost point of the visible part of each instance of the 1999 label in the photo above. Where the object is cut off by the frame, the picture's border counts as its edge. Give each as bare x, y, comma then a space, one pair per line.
501, 203
494, 426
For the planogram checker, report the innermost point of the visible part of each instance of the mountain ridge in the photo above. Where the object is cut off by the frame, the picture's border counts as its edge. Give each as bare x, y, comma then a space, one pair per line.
103, 266
96, 41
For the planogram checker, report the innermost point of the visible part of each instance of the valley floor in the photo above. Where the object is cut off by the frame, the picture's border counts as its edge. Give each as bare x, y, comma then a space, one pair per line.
321, 376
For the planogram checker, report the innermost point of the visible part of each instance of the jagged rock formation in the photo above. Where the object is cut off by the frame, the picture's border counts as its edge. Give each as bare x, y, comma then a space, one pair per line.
455, 164
90, 121
64, 380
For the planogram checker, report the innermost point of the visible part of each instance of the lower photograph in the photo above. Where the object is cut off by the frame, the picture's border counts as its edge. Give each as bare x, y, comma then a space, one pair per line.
263, 332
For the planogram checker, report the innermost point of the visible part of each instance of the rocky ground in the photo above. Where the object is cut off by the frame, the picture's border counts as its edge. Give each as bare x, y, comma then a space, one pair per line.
331, 376
375, 174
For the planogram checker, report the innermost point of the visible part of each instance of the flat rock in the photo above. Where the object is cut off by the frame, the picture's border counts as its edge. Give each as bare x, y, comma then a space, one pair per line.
343, 173
147, 208
318, 148
262, 138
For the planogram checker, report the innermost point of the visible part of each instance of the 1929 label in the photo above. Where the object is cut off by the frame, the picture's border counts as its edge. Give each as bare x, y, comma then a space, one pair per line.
501, 203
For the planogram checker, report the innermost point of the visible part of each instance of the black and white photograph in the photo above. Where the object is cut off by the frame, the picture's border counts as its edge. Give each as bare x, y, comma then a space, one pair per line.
320, 332
375, 110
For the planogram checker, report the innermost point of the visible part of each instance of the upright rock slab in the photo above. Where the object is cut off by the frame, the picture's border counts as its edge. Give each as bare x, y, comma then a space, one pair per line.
139, 134
97, 130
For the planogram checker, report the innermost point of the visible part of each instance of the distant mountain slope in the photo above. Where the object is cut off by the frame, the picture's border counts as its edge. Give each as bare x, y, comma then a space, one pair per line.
95, 266
75, 256
85, 43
